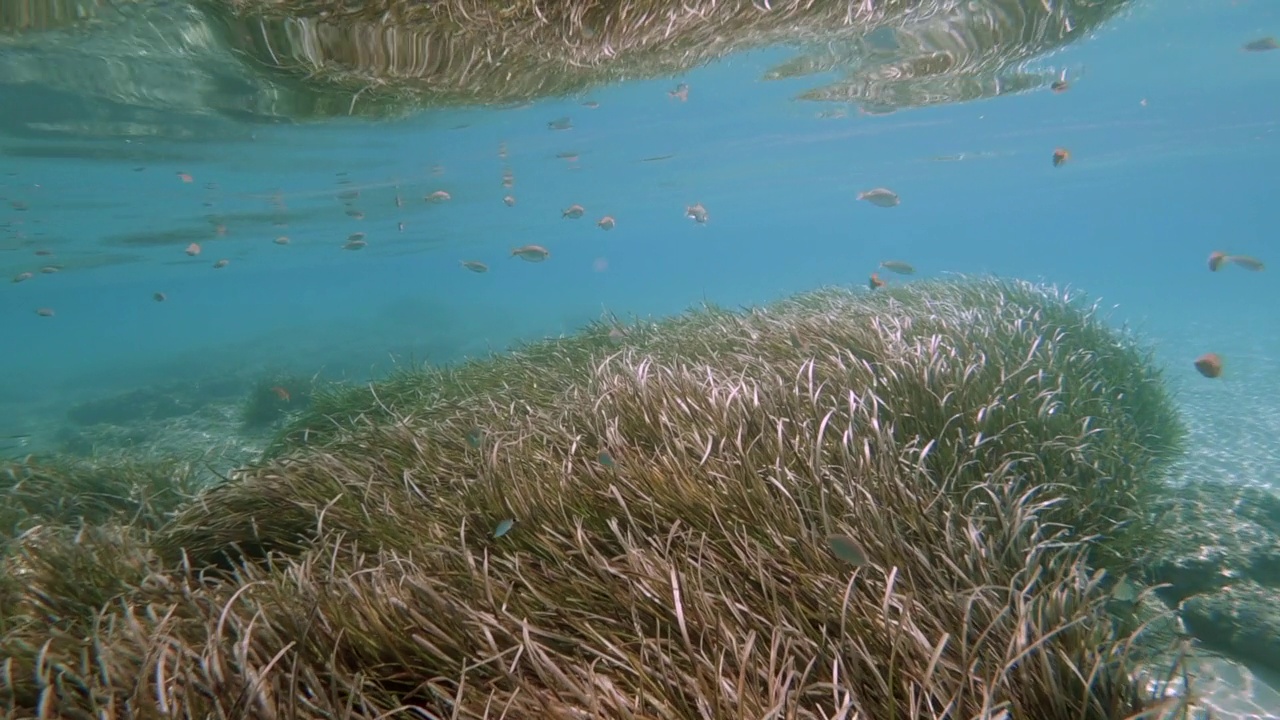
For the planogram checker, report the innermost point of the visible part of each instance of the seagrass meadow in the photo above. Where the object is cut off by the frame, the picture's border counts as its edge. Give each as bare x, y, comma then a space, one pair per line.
992, 446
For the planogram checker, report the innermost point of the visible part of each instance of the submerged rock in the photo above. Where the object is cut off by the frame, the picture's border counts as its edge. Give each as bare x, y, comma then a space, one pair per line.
1223, 568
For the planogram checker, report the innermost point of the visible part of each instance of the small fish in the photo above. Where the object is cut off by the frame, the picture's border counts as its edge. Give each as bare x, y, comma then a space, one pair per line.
573, 212
1209, 365
281, 393
569, 155
353, 213
531, 253
607, 223
880, 197
1060, 156
44, 253
44, 312
697, 213
438, 196
400, 227
437, 170
843, 547
1262, 45
656, 158
193, 249
1124, 591
354, 244
474, 437
899, 267
563, 123
502, 150
159, 297
355, 236
591, 104
475, 266
874, 281
509, 201
681, 92
282, 240
184, 177
221, 264
605, 459
348, 194
503, 528
1244, 261
22, 277
1216, 258
1060, 85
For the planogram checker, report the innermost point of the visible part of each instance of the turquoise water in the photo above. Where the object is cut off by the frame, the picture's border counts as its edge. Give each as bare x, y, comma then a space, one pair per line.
1172, 129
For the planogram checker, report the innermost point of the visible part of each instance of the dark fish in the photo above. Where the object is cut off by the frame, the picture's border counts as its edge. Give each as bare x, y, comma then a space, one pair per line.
563, 123
1262, 45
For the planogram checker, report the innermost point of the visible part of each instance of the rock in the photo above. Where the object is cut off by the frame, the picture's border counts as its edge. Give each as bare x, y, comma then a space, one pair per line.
1222, 566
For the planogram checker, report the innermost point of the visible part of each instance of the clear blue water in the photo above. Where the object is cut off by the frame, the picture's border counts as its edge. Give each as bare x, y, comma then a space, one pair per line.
1150, 190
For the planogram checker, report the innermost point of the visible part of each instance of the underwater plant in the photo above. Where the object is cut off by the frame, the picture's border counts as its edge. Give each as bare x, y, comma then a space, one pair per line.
843, 504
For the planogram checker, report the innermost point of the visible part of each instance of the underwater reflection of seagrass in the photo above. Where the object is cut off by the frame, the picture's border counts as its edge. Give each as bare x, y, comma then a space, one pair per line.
630, 522
302, 59
896, 53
